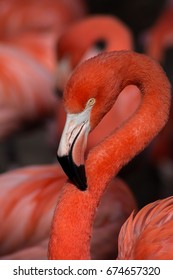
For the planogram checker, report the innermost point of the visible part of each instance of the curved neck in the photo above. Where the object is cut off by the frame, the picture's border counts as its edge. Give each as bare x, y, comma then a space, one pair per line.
115, 33
112, 31
73, 220
105, 160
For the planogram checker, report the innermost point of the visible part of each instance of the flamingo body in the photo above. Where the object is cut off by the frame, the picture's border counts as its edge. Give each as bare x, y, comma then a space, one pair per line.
148, 234
27, 200
21, 16
34, 252
26, 90
40, 46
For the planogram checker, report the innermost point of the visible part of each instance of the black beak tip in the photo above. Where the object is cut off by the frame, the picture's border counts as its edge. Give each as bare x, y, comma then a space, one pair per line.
82, 186
75, 173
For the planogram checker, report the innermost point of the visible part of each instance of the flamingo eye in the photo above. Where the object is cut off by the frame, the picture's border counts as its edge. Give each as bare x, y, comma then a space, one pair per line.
90, 102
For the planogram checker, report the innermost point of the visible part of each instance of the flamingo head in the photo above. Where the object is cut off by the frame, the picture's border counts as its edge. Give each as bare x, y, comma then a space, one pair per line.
87, 98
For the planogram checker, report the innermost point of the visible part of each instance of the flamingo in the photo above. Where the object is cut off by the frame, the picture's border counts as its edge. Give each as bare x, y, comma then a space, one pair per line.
35, 252
40, 46
158, 39
108, 31
74, 46
26, 90
29, 31
24, 197
148, 234
31, 194
160, 35
37, 35
100, 80
19, 16
32, 39
27, 96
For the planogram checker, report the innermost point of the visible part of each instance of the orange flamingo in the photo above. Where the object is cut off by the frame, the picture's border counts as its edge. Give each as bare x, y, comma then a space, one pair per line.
27, 93
148, 234
38, 45
32, 28
100, 80
160, 35
31, 194
37, 35
25, 195
159, 38
74, 46
110, 32
19, 16
35, 252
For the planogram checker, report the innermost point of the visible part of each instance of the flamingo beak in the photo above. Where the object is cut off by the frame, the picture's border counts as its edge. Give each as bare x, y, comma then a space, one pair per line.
72, 147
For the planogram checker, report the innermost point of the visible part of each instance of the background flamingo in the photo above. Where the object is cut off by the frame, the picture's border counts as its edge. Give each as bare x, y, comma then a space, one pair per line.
30, 194
28, 47
37, 35
19, 16
159, 39
83, 113
148, 234
160, 35
35, 252
26, 90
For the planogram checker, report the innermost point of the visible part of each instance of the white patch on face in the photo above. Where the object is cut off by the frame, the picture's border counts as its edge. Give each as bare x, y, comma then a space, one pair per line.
73, 125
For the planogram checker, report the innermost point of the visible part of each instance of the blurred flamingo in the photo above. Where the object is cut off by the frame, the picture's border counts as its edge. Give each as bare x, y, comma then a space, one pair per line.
160, 35
31, 194
40, 46
86, 38
37, 35
29, 31
19, 16
158, 39
35, 252
148, 234
81, 41
26, 90
101, 80
27, 196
